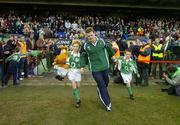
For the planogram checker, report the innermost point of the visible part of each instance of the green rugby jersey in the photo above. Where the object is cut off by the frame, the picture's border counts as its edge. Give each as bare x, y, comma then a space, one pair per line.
73, 60
96, 56
127, 66
15, 57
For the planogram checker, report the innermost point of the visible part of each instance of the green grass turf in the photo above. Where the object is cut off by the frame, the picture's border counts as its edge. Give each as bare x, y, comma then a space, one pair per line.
54, 105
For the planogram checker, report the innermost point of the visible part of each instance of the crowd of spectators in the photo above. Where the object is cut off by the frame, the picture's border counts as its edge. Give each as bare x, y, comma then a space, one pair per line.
70, 26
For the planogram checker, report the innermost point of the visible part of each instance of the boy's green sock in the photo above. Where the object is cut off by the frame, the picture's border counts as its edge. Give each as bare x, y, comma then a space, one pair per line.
76, 93
129, 91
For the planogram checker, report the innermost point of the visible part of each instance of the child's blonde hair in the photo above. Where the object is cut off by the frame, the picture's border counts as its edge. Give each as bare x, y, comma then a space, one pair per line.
76, 41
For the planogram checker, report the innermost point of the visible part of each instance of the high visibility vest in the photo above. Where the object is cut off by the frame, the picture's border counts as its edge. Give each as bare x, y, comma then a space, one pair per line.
23, 47
157, 47
142, 58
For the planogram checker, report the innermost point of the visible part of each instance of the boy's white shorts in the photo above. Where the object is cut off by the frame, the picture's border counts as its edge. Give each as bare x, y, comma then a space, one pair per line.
126, 77
74, 75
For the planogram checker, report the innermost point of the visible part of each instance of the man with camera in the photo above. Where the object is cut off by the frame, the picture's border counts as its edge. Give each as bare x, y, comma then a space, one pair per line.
172, 77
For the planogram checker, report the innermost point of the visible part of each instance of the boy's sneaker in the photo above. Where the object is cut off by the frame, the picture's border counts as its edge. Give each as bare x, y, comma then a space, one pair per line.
21, 79
59, 77
78, 104
131, 97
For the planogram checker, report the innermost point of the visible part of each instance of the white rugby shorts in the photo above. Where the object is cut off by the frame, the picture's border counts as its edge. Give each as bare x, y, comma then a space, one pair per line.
74, 75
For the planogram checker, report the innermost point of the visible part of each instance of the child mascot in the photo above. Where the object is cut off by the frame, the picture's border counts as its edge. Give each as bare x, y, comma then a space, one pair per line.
60, 63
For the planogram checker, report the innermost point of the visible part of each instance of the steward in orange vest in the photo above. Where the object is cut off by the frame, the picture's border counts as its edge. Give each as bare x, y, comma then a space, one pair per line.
145, 54
143, 62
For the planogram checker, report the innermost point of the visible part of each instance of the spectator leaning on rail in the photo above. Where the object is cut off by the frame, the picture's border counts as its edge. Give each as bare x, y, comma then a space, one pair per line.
12, 68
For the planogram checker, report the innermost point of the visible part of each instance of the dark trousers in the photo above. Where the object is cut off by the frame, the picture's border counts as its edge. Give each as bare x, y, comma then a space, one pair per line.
171, 90
102, 80
154, 67
11, 70
143, 69
6, 67
1, 72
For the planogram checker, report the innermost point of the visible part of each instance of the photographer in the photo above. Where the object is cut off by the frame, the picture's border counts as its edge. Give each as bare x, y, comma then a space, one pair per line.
172, 77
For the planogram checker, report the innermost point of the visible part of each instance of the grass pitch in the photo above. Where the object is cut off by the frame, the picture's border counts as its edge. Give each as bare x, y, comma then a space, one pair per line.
54, 105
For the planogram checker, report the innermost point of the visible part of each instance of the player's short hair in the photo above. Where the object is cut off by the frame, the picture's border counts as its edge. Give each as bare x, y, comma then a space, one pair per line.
89, 29
171, 69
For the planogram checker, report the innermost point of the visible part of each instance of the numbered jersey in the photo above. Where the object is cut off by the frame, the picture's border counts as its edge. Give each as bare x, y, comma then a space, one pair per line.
127, 66
73, 60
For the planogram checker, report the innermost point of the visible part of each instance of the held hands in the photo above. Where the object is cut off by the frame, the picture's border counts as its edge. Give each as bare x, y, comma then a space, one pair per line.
116, 64
113, 58
138, 75
82, 70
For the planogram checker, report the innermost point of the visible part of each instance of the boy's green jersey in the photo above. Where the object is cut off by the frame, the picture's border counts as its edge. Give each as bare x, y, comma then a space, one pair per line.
127, 66
15, 57
73, 60
96, 56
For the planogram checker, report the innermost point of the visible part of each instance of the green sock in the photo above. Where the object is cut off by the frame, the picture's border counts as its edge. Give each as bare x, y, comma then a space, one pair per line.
76, 93
129, 91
